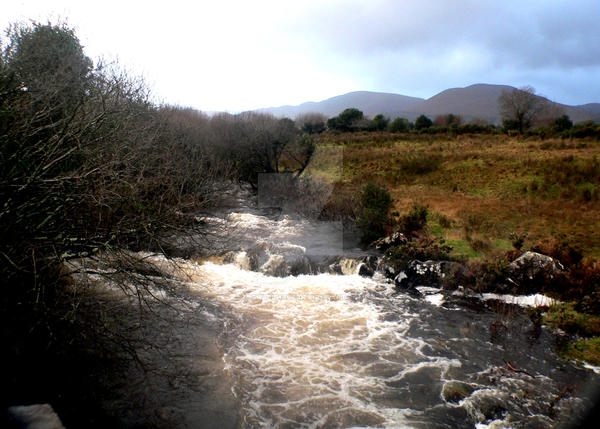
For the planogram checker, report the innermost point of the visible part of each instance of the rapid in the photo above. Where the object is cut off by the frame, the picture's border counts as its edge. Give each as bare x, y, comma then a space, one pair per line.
307, 342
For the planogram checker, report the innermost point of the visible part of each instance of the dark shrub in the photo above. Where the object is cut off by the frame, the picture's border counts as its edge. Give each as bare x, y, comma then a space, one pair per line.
399, 125
422, 123
414, 221
375, 204
560, 249
562, 124
491, 275
517, 240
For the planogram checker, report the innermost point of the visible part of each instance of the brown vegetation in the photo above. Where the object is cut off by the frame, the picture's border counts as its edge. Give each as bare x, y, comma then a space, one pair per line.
489, 186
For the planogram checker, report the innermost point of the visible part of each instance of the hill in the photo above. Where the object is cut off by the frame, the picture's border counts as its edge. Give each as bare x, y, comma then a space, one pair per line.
371, 103
474, 101
590, 107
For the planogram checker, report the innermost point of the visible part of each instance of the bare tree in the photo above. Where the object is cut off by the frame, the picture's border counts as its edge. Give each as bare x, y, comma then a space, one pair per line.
519, 108
311, 123
448, 120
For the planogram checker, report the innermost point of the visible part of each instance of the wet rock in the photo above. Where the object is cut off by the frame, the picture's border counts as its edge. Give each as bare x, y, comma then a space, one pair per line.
423, 386
335, 268
396, 239
280, 260
401, 283
367, 266
494, 411
168, 414
364, 270
428, 273
456, 391
386, 268
39, 416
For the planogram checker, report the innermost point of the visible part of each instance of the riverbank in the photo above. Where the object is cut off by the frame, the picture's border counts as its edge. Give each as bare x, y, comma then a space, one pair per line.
480, 189
490, 197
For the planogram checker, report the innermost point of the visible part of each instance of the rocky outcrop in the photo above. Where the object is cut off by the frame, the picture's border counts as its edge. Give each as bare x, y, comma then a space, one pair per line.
531, 265
396, 239
386, 268
428, 273
531, 272
364, 266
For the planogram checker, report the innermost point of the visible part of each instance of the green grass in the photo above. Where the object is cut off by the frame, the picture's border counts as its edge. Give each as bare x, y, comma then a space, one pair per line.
461, 248
435, 229
565, 317
583, 350
502, 244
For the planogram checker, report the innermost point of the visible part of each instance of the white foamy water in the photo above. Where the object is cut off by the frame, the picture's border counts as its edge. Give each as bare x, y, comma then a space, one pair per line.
332, 351
535, 300
328, 351
313, 348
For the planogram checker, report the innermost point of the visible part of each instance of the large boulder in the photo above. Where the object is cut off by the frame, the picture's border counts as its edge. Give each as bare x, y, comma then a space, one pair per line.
531, 265
428, 273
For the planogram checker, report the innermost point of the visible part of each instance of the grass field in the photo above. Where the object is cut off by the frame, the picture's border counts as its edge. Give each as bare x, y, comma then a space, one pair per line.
481, 188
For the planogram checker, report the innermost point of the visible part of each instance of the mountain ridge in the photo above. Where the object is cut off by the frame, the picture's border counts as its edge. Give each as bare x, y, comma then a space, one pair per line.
477, 101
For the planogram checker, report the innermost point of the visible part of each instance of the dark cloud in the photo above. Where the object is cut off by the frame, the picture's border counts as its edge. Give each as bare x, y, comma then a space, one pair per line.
459, 41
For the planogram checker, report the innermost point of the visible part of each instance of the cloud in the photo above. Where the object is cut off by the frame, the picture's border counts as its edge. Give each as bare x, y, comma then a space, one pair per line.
238, 55
432, 45
534, 33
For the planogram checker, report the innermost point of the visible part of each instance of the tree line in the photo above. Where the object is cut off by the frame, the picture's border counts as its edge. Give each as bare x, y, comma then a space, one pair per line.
88, 162
90, 166
521, 111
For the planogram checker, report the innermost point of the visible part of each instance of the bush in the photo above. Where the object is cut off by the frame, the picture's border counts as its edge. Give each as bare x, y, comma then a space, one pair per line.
414, 221
373, 218
311, 123
348, 120
490, 275
399, 125
567, 318
379, 123
517, 240
560, 249
422, 123
587, 129
585, 350
562, 124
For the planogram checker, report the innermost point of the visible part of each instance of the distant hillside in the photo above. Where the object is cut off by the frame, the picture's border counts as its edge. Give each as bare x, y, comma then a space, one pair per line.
475, 101
591, 107
481, 101
371, 103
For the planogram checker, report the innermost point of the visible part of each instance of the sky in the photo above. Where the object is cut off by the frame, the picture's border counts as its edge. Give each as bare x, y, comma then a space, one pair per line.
225, 55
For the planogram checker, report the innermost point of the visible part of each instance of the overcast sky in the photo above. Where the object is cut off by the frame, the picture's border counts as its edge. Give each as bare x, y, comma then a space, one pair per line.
239, 55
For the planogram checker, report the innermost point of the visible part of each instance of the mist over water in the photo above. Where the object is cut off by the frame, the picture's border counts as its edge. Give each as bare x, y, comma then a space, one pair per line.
306, 348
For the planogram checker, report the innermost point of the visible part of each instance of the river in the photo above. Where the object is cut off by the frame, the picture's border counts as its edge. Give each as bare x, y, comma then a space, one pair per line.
301, 346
